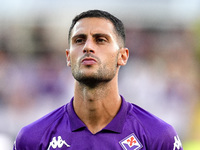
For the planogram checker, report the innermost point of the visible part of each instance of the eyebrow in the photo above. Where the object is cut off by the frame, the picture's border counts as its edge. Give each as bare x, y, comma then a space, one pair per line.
94, 35
101, 35
79, 36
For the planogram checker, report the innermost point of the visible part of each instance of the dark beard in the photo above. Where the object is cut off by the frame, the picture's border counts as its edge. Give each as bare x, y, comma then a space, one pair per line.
103, 74
91, 82
94, 80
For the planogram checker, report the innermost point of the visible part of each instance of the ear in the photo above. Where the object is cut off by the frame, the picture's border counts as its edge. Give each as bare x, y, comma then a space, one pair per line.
68, 58
123, 56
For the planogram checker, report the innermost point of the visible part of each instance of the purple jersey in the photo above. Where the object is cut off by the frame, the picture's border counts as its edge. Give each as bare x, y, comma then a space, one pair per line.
131, 129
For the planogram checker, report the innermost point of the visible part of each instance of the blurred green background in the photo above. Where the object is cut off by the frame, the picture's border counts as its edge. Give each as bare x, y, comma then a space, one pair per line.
162, 74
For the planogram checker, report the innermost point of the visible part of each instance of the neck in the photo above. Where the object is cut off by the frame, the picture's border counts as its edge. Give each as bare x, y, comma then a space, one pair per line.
96, 106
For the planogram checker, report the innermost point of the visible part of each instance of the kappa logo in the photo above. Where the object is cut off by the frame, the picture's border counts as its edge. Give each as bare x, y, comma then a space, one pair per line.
57, 143
131, 142
177, 143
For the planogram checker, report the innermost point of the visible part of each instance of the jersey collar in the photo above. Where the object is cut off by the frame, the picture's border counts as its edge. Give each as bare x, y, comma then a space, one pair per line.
116, 125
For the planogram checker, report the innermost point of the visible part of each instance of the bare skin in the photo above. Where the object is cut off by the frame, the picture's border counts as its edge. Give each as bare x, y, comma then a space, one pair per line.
95, 56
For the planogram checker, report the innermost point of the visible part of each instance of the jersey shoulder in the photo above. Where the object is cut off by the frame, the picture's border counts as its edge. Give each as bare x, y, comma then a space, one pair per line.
147, 120
31, 135
157, 132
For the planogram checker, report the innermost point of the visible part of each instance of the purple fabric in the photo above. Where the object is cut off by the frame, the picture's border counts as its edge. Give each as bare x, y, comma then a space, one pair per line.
132, 129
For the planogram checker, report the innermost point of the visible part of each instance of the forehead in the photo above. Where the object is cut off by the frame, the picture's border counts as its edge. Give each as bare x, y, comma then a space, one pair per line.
92, 26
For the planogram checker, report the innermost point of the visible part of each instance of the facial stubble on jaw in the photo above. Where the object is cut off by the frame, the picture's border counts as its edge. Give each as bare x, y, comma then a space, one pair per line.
102, 75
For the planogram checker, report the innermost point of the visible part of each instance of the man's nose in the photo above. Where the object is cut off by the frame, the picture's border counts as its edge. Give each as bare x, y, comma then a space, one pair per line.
89, 47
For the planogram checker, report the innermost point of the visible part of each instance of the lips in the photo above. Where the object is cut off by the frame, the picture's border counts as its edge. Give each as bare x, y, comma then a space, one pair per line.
88, 61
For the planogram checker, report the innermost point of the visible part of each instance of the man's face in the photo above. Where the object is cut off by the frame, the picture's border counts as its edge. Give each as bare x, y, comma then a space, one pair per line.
93, 53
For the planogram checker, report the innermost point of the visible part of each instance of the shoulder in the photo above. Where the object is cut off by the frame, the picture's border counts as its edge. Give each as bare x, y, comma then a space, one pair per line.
146, 119
157, 132
31, 135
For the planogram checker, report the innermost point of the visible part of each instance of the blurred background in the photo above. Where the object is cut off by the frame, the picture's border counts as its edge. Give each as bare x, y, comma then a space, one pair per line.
162, 74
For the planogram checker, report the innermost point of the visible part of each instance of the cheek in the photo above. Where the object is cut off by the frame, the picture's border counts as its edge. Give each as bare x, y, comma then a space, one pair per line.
111, 59
74, 54
114, 56
73, 59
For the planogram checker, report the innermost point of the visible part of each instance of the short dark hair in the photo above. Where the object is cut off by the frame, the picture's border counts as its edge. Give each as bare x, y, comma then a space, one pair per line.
118, 25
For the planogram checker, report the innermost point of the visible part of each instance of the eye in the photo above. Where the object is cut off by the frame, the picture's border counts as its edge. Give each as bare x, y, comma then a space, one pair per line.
101, 40
79, 40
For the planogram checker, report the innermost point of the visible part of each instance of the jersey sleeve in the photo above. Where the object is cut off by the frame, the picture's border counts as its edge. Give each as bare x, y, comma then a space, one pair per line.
25, 141
166, 139
35, 135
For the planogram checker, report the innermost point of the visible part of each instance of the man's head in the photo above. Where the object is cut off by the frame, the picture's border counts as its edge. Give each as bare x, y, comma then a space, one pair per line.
118, 25
96, 49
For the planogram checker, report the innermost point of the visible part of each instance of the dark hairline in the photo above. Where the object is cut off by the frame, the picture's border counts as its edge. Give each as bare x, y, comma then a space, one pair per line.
117, 25
118, 37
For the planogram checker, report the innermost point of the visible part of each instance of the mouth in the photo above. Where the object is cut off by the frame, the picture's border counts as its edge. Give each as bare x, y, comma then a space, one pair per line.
88, 61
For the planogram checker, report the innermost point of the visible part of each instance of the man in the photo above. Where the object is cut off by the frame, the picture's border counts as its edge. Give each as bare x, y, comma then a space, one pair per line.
97, 118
